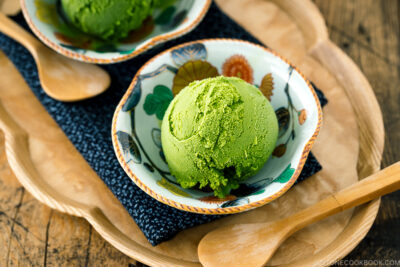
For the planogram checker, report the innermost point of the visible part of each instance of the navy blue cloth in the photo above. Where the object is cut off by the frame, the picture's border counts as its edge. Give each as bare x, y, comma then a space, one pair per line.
88, 125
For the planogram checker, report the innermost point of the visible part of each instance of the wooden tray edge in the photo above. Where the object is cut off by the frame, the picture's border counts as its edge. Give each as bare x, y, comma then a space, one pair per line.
17, 144
369, 117
371, 146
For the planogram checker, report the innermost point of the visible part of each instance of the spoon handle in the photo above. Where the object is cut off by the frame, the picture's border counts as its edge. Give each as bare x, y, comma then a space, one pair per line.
13, 30
376, 185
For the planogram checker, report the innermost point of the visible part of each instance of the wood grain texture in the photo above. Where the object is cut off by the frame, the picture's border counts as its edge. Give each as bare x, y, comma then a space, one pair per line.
42, 238
232, 245
31, 234
61, 78
369, 32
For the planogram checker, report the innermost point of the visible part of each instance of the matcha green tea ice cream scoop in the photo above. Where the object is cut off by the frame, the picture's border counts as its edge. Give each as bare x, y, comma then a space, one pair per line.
107, 19
217, 132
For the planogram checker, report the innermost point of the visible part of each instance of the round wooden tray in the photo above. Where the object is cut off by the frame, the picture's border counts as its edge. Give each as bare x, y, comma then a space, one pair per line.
349, 147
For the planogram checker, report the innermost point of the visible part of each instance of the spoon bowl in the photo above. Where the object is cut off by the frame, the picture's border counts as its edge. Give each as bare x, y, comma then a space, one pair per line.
61, 78
69, 80
10, 7
247, 241
254, 244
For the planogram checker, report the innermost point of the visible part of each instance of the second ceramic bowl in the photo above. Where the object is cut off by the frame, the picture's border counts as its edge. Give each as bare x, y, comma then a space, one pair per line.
45, 19
136, 123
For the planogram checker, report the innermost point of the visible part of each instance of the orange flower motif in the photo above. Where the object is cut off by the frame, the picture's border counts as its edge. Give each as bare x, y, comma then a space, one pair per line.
84, 44
302, 116
238, 66
267, 86
64, 39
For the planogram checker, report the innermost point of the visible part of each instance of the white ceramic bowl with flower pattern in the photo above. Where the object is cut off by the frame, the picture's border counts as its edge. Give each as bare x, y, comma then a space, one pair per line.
136, 123
45, 19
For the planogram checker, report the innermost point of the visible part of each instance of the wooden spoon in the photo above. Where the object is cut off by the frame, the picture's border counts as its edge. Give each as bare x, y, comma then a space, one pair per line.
61, 78
10, 7
254, 244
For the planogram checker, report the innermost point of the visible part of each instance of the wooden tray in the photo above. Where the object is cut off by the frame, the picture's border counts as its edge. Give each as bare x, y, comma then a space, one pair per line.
349, 147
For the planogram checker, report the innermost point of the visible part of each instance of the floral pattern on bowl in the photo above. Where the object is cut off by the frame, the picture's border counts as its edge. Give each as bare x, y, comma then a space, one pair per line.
136, 131
47, 21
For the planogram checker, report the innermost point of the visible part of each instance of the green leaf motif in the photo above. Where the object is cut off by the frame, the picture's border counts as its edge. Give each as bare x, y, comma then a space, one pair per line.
151, 104
166, 16
161, 111
163, 3
258, 192
105, 48
158, 102
126, 52
163, 92
285, 176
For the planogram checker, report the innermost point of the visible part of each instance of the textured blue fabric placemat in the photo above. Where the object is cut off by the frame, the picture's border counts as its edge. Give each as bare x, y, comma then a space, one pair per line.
88, 125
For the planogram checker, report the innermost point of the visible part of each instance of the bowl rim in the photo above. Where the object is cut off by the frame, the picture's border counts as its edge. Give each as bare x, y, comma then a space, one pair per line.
214, 211
90, 59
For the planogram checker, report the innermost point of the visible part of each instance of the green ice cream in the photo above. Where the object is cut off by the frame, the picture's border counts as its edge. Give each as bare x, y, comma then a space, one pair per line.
107, 19
218, 132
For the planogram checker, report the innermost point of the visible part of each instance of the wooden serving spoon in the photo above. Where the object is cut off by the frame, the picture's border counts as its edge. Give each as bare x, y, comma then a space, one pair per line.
10, 7
61, 78
254, 244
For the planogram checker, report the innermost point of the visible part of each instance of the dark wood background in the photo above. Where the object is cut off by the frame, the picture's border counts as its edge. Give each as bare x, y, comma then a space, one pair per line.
32, 234
369, 32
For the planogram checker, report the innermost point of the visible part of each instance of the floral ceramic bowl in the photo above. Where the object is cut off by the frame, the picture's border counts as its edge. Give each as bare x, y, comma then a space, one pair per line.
136, 124
47, 22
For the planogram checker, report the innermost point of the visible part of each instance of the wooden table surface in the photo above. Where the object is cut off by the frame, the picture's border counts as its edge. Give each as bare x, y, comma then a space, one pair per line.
32, 234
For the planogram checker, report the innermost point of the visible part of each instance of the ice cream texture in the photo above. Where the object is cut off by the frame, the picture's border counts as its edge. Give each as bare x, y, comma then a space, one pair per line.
218, 132
107, 19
